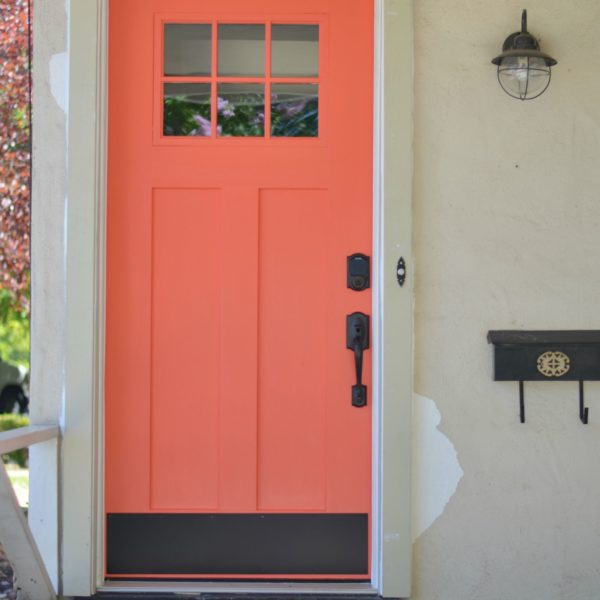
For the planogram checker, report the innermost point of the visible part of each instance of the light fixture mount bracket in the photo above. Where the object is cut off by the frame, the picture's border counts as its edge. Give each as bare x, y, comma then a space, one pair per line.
522, 43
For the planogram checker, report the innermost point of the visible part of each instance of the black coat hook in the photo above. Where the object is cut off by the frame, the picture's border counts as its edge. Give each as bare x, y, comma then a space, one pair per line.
583, 410
522, 401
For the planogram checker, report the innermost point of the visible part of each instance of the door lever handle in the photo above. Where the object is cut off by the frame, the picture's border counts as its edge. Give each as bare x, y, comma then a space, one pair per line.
357, 340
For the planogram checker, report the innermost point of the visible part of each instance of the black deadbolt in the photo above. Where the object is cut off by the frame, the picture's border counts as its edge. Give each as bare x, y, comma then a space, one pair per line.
359, 272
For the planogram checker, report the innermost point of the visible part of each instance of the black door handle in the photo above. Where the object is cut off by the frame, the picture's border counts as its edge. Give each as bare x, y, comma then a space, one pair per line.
357, 340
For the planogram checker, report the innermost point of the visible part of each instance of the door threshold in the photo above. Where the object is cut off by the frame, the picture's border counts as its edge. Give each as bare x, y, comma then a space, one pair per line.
232, 588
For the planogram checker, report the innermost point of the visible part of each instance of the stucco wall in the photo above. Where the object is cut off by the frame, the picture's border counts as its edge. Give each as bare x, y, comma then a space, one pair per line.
507, 236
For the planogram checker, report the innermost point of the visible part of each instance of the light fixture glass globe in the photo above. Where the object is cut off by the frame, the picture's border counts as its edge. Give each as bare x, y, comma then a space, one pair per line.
524, 77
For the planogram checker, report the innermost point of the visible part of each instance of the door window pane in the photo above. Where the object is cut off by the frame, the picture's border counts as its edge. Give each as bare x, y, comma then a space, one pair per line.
242, 50
295, 51
187, 109
187, 49
241, 110
294, 110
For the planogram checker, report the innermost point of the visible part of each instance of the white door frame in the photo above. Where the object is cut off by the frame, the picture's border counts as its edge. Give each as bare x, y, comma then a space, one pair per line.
82, 473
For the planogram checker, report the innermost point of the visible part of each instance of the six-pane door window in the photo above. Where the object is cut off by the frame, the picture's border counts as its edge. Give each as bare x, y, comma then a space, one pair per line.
226, 80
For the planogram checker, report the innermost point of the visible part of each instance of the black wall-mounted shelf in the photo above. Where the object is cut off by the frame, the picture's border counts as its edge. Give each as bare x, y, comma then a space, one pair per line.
547, 356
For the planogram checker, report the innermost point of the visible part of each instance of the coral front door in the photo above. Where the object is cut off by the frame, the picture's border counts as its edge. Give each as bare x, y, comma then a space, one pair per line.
238, 438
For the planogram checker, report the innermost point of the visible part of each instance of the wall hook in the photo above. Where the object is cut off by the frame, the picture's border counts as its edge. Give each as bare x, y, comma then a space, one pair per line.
583, 410
522, 400
554, 355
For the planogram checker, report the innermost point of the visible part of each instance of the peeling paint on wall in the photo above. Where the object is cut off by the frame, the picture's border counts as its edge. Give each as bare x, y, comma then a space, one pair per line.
59, 79
436, 467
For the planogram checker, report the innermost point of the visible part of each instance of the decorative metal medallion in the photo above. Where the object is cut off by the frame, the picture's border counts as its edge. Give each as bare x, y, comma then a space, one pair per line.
553, 364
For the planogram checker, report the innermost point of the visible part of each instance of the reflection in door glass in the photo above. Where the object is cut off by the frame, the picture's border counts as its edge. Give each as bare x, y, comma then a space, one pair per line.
187, 109
187, 49
294, 110
295, 51
241, 110
242, 50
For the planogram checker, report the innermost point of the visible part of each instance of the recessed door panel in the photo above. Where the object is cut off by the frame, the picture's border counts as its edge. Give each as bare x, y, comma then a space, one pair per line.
185, 348
292, 404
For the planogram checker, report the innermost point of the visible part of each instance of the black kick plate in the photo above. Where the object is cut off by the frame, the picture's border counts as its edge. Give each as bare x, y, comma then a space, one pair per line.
237, 544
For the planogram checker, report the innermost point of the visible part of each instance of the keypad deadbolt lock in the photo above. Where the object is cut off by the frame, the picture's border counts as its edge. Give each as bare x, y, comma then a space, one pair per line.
359, 272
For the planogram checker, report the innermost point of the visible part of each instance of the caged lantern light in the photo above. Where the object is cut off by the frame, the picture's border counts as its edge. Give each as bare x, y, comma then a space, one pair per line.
523, 70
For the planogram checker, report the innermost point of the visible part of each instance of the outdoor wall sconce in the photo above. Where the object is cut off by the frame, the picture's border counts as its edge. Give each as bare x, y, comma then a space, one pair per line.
523, 70
547, 356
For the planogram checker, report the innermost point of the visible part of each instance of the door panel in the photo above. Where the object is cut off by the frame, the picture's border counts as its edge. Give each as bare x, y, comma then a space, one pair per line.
294, 261
178, 252
230, 217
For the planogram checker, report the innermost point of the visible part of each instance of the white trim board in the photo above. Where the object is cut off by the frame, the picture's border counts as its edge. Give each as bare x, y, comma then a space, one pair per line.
84, 373
82, 514
392, 368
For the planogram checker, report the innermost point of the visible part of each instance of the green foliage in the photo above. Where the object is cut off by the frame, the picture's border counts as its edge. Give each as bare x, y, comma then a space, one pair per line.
241, 115
14, 331
295, 118
179, 115
11, 421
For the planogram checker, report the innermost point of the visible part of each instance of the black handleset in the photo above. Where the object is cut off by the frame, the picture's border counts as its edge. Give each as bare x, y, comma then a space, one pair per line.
357, 340
358, 279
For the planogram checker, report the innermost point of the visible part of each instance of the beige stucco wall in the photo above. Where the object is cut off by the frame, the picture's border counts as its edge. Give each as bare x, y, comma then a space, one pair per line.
507, 236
